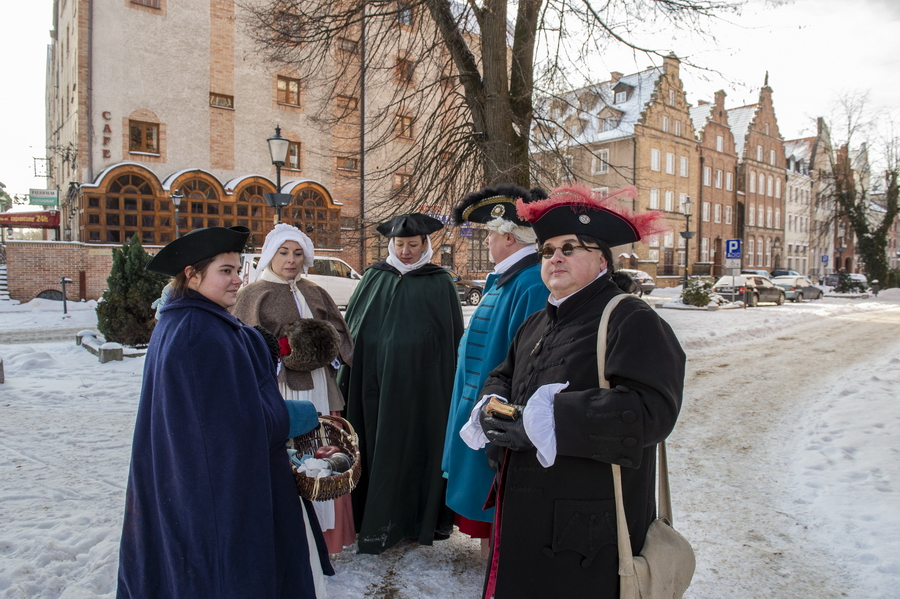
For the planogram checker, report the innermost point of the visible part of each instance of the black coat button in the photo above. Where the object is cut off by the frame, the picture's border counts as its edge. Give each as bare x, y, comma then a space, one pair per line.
628, 416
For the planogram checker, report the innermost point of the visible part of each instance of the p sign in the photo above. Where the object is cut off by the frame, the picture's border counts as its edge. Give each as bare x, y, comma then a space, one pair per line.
733, 248
824, 258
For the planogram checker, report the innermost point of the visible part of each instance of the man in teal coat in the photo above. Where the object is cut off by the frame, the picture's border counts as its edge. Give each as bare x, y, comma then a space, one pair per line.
513, 292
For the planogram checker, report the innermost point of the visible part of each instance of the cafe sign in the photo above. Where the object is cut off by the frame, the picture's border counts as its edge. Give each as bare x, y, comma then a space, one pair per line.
45, 219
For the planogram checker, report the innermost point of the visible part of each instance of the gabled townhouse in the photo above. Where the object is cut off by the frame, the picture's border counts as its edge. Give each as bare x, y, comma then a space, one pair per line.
798, 205
851, 170
631, 130
821, 229
761, 178
717, 192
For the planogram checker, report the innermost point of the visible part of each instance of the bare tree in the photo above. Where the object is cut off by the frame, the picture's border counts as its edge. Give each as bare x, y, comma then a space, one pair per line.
466, 74
853, 192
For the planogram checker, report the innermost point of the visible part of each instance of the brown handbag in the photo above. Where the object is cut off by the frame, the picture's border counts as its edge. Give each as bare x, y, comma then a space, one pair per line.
666, 564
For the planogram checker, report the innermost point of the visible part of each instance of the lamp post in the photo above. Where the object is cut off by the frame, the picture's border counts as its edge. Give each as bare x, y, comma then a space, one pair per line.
278, 149
840, 260
687, 208
176, 201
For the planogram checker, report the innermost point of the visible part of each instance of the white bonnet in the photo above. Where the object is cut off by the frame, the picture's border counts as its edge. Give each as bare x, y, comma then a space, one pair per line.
276, 238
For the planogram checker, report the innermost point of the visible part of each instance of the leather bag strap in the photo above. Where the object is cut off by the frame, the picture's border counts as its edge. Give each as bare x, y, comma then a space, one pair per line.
664, 507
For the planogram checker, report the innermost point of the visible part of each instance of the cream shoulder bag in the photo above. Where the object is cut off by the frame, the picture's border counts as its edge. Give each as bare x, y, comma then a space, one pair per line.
665, 566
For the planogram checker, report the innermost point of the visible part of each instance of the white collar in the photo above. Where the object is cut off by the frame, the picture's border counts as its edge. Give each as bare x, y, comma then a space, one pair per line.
507, 262
558, 302
394, 261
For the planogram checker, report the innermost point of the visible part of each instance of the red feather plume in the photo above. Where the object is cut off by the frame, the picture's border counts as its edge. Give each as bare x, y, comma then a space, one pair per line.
581, 198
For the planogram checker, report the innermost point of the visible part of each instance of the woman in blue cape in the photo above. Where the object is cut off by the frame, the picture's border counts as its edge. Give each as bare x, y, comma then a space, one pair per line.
211, 508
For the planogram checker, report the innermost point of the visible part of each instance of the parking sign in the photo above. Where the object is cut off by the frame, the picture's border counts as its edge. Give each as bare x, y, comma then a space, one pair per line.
733, 249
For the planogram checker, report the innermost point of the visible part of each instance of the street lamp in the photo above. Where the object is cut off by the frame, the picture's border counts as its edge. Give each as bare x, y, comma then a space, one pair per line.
278, 149
687, 208
840, 260
176, 201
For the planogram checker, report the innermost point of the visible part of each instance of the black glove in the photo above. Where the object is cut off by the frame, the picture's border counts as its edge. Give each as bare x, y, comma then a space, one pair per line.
505, 432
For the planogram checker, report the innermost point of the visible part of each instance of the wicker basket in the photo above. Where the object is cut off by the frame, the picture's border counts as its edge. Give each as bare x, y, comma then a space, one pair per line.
333, 431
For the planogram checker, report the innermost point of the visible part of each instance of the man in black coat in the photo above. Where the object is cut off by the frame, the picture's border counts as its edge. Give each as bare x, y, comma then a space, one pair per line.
555, 522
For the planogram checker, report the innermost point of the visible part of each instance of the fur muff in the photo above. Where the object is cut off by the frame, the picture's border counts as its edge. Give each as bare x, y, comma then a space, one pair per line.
271, 342
314, 344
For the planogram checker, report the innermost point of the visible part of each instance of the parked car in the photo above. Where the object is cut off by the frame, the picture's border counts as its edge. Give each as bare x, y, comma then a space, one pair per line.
645, 281
761, 273
784, 273
798, 288
761, 289
470, 292
332, 274
832, 279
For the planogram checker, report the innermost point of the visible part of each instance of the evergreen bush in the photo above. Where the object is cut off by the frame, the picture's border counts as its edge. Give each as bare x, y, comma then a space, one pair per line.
847, 285
124, 314
699, 292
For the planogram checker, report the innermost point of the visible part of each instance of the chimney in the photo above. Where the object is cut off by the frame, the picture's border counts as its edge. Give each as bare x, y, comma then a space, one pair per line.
615, 76
702, 102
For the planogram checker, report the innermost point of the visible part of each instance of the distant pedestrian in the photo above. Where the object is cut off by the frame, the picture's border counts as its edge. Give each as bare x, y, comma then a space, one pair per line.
875, 287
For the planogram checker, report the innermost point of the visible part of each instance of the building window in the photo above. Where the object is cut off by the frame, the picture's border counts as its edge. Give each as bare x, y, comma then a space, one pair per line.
314, 215
406, 71
654, 160
348, 45
750, 245
347, 164
609, 124
402, 182
682, 198
150, 3
769, 218
348, 102
778, 188
670, 201
665, 124
706, 212
770, 187
404, 14
772, 157
293, 156
762, 184
601, 162
620, 97
751, 215
143, 137
678, 128
760, 216
729, 181
289, 91
720, 143
221, 101
479, 254
653, 241
670, 163
718, 178
717, 213
752, 182
778, 218
707, 176
654, 199
684, 170
728, 215
704, 249
404, 127
671, 97
759, 153
249, 210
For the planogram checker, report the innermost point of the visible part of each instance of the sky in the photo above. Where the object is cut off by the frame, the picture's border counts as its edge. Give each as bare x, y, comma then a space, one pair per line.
815, 51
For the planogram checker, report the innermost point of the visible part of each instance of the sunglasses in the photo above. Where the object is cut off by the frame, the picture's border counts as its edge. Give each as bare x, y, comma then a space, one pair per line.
548, 251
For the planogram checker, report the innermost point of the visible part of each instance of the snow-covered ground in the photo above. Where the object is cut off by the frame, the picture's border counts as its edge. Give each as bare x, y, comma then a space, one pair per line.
784, 462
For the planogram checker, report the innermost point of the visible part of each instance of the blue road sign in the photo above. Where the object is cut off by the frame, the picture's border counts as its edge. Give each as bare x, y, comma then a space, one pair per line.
824, 258
733, 248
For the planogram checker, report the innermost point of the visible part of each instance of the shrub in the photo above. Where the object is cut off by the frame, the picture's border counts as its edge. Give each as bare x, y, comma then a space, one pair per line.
124, 314
847, 285
699, 292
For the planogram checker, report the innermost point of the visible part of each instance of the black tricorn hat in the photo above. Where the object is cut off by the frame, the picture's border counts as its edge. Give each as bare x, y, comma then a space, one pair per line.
495, 202
577, 210
196, 246
409, 225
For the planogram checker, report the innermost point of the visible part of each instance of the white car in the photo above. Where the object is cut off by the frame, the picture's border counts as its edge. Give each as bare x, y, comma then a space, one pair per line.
332, 274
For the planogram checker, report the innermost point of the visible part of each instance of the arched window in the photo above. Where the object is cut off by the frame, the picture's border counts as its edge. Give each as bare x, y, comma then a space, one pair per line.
315, 215
200, 207
250, 210
128, 208
750, 252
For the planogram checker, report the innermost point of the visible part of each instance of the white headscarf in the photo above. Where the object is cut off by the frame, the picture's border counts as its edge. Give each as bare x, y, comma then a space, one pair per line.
395, 261
276, 238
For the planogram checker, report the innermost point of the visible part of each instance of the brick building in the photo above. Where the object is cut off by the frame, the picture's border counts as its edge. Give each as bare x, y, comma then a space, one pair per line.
717, 195
149, 97
761, 179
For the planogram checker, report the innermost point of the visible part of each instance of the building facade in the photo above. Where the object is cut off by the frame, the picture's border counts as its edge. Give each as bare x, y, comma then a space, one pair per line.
798, 205
717, 191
